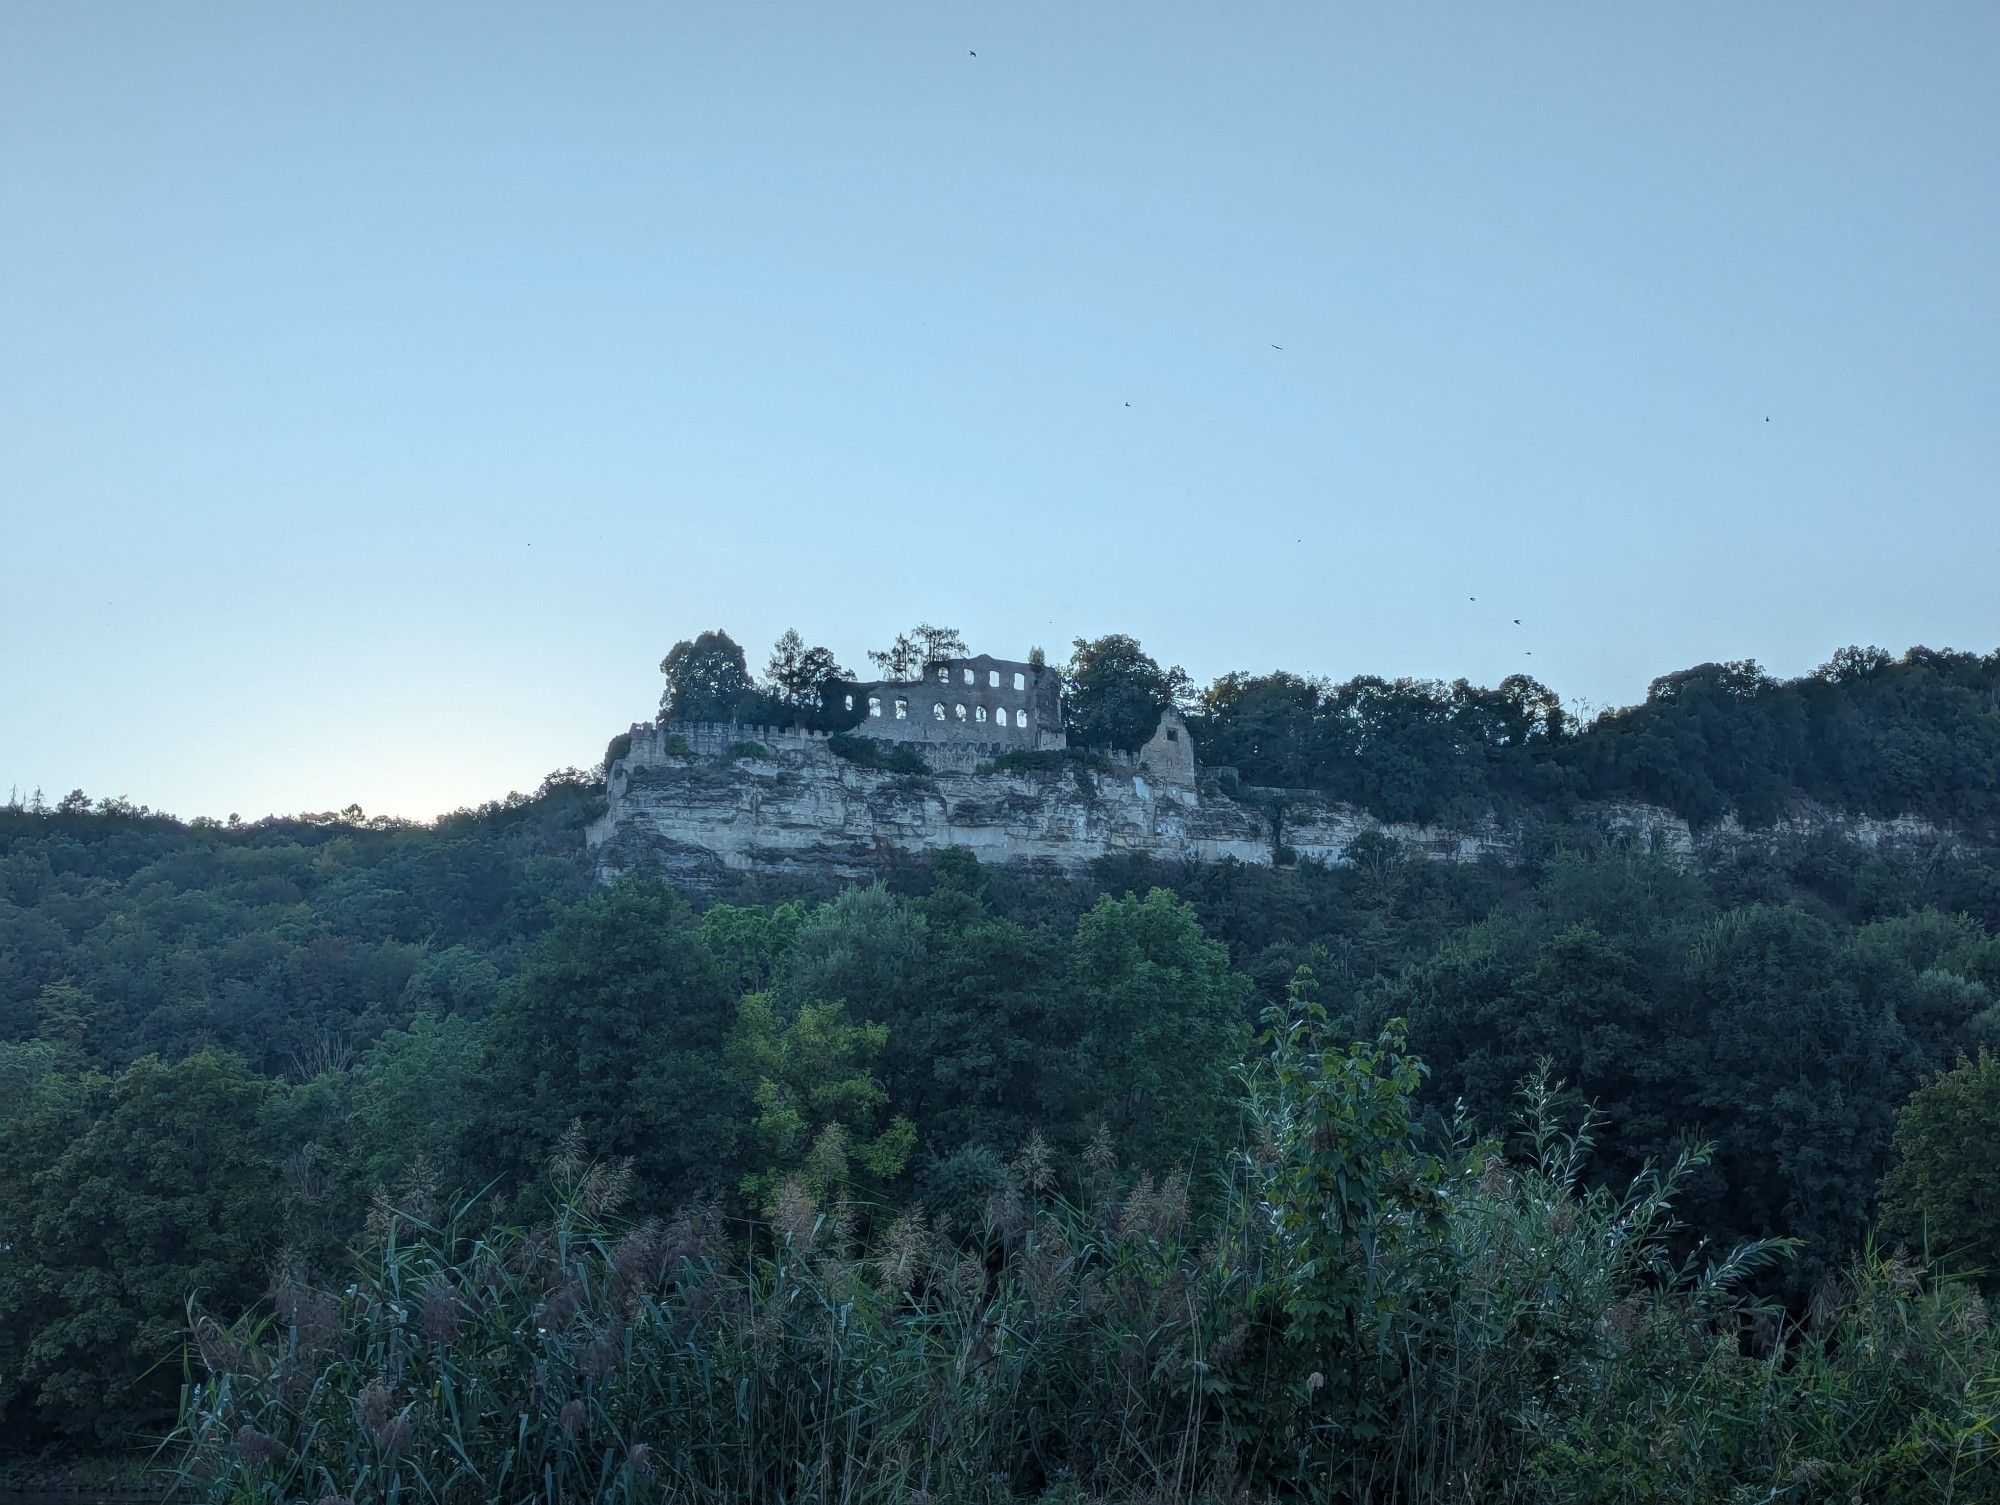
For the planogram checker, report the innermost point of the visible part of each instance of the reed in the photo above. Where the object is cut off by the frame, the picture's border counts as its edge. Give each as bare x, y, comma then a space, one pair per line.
1367, 1314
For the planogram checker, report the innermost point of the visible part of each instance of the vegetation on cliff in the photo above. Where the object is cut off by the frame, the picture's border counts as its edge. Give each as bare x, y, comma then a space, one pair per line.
1866, 732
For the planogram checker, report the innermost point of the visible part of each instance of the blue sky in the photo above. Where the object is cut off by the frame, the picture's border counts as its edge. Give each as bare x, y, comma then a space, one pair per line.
385, 387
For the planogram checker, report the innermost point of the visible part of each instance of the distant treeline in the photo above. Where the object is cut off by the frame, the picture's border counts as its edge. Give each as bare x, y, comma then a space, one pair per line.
1866, 732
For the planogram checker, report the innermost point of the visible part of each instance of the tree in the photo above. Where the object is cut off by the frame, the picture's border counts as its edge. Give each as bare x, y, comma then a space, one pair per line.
982, 1061
797, 676
414, 1098
820, 1107
140, 1193
749, 941
1163, 1026
866, 949
618, 1023
1114, 693
1795, 1075
1945, 1192
917, 649
1265, 726
707, 680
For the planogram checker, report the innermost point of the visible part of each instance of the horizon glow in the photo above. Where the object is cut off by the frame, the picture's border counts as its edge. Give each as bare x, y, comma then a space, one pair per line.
384, 389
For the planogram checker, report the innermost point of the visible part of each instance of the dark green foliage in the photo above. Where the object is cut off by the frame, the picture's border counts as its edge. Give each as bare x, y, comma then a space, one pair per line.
870, 753
1918, 735
1370, 1316
285, 940
707, 680
618, 1023
1786, 1041
120, 1198
1944, 1194
1047, 760
1113, 692
799, 680
1404, 749
1162, 1022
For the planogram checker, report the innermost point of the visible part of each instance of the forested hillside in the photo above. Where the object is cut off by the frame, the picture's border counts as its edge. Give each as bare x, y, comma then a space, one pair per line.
1271, 1122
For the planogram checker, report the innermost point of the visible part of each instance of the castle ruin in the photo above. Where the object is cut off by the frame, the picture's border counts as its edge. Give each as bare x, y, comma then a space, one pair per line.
971, 756
962, 700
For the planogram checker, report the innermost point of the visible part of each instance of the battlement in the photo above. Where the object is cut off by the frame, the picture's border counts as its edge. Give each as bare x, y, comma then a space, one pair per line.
653, 742
1169, 757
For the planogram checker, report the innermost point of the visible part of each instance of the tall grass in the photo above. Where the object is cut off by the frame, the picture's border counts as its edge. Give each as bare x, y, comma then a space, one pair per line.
1367, 1317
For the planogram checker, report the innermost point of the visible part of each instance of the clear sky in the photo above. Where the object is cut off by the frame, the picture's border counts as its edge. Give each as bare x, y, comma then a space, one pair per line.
385, 387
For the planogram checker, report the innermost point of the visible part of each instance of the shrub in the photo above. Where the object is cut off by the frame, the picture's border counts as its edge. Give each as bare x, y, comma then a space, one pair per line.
1048, 760
866, 752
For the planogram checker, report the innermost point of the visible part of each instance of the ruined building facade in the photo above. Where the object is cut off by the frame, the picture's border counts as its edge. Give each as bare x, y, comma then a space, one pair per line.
982, 700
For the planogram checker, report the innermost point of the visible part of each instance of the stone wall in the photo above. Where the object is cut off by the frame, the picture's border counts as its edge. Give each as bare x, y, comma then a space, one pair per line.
981, 699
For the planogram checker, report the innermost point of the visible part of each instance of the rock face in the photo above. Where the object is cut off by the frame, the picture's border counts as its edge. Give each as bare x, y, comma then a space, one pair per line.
697, 803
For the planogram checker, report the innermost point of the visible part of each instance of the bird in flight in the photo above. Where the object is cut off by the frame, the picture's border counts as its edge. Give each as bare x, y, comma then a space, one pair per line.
1517, 621
972, 54
1281, 347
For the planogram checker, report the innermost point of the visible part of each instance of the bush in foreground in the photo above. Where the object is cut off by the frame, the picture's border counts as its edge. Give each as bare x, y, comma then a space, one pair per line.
1371, 1317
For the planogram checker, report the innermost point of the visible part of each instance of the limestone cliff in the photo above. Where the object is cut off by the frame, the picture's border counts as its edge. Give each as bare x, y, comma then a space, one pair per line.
697, 803
693, 803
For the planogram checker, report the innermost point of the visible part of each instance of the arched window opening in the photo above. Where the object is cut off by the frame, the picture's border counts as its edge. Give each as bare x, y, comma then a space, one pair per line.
1020, 681
937, 710
874, 705
960, 708
979, 715
902, 709
1001, 715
